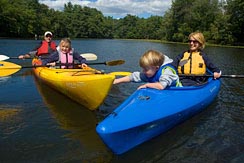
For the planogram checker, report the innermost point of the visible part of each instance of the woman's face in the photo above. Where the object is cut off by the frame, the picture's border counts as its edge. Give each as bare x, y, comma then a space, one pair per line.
194, 45
150, 71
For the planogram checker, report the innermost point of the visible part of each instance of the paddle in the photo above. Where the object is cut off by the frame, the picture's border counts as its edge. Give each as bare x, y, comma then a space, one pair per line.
88, 56
124, 73
108, 63
9, 68
222, 76
120, 73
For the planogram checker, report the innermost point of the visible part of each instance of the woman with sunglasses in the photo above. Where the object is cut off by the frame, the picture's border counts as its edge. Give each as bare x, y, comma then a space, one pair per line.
45, 47
195, 62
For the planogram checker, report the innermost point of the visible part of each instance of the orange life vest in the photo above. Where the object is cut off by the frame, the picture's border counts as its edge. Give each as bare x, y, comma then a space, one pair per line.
194, 64
46, 48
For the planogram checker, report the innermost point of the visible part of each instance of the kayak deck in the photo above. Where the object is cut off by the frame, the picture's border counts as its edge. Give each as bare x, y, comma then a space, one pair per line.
84, 86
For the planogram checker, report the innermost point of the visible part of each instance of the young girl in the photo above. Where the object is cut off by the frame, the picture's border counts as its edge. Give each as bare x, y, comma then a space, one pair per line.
157, 71
195, 61
65, 55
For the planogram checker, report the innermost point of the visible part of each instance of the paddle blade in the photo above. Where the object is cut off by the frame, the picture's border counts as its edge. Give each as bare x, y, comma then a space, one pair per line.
8, 68
115, 63
89, 56
3, 57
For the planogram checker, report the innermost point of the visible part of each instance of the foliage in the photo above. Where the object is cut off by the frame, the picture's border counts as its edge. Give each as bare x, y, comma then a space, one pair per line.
221, 21
235, 13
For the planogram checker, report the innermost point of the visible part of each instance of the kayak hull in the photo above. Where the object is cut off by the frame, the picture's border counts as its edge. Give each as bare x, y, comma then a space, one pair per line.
87, 87
150, 112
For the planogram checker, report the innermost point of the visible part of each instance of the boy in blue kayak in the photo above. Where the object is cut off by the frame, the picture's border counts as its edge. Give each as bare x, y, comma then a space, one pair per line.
157, 71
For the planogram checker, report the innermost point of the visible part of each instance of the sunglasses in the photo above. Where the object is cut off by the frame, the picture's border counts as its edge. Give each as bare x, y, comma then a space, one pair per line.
194, 41
49, 36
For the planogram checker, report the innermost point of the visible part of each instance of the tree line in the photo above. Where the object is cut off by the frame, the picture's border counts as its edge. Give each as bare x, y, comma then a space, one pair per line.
221, 21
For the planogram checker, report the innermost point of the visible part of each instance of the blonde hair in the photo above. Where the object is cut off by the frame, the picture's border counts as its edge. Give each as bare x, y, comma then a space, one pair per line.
65, 41
151, 58
199, 37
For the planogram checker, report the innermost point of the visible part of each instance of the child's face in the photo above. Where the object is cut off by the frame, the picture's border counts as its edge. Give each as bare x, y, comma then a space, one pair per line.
65, 47
194, 44
150, 70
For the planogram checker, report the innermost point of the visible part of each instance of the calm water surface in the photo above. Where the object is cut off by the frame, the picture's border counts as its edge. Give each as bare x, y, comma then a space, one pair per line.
38, 124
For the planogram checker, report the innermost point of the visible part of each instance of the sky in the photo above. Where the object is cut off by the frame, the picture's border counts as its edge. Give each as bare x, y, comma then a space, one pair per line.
117, 8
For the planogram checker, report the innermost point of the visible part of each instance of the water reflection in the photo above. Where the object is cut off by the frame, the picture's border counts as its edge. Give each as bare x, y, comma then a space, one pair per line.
78, 121
10, 120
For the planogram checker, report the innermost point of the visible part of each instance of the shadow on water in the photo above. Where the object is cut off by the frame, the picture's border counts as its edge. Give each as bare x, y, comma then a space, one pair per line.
80, 124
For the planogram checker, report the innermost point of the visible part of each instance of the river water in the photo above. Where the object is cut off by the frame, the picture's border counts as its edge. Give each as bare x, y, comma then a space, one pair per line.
38, 124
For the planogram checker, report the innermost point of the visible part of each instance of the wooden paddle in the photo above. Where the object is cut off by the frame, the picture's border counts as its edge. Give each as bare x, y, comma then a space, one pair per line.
88, 56
8, 68
108, 63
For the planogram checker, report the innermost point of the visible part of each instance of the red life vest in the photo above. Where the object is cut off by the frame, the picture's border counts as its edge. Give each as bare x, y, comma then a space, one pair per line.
46, 48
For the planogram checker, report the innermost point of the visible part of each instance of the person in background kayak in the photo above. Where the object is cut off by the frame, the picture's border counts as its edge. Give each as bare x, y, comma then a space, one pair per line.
195, 62
45, 47
65, 55
157, 71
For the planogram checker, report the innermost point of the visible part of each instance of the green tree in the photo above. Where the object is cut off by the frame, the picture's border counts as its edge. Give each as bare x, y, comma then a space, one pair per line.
220, 21
235, 12
126, 27
188, 16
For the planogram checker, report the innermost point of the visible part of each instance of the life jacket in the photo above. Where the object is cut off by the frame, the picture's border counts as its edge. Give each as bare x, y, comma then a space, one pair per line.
66, 58
46, 48
194, 64
160, 71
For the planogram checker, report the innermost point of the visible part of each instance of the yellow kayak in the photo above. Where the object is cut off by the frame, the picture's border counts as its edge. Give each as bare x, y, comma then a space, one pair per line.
88, 86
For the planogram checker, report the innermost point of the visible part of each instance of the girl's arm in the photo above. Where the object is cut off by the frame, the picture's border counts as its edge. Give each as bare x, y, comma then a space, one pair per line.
78, 57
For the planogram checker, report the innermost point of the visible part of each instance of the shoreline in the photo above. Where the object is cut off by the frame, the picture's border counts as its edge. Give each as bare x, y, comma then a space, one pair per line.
147, 40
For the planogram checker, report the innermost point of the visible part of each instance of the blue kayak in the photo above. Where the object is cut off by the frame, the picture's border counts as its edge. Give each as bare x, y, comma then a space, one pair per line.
150, 112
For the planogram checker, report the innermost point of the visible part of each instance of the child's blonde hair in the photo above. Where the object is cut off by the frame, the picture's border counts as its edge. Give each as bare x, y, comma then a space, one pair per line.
199, 37
151, 58
65, 41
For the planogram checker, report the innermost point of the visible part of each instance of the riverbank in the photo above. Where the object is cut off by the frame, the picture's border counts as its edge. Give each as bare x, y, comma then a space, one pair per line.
171, 42
147, 40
